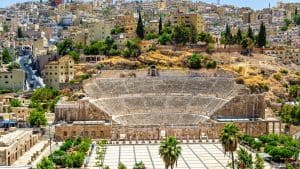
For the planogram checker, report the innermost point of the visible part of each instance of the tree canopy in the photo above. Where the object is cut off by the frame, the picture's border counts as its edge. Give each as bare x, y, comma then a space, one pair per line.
170, 150
37, 118
6, 56
140, 27
181, 34
262, 36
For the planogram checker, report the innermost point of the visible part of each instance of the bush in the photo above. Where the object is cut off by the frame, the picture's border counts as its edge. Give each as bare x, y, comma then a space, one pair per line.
277, 76
283, 71
279, 153
45, 164
15, 103
256, 145
165, 39
151, 35
67, 145
211, 64
121, 166
58, 157
268, 148
293, 90
74, 159
13, 65
194, 61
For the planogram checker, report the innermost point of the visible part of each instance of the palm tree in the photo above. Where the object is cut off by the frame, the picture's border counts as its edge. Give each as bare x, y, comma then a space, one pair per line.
230, 137
169, 151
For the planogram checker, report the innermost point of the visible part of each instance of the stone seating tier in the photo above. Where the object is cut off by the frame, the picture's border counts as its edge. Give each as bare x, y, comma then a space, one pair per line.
114, 87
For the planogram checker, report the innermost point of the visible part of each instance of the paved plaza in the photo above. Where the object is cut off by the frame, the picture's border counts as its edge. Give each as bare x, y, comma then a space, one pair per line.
194, 156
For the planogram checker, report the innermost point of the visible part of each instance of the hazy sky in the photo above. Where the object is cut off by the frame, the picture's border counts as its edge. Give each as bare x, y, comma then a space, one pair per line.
256, 4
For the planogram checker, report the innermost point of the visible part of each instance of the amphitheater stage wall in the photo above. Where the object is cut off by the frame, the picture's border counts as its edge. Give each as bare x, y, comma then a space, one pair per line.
210, 130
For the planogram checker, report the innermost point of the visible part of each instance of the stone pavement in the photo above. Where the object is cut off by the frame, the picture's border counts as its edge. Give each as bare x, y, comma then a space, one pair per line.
194, 156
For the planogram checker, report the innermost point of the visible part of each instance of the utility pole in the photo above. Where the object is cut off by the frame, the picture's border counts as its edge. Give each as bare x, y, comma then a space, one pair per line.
50, 139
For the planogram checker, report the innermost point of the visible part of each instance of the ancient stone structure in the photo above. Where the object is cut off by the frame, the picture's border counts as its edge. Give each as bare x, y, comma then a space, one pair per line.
155, 107
14, 144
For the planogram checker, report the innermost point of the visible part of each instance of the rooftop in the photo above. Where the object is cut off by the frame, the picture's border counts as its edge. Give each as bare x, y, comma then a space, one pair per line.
11, 137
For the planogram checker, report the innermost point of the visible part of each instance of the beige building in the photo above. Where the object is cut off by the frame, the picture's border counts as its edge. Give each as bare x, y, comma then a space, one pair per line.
12, 80
14, 144
61, 71
189, 19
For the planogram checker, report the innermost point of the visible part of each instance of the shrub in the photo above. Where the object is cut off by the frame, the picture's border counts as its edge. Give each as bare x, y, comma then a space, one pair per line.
58, 157
194, 61
67, 145
13, 65
283, 71
268, 148
15, 103
211, 64
45, 164
121, 166
293, 90
277, 76
257, 145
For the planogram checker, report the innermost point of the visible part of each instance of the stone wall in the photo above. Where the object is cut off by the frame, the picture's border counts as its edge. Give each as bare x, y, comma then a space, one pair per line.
243, 106
93, 131
9, 154
210, 130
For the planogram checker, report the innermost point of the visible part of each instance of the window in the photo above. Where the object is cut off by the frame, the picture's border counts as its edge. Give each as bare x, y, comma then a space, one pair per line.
6, 76
65, 133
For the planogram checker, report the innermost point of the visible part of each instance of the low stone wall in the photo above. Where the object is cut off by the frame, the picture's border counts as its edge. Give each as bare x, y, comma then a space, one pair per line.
210, 130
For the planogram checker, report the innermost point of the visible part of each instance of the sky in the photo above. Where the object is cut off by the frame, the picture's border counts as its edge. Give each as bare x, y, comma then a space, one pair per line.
255, 4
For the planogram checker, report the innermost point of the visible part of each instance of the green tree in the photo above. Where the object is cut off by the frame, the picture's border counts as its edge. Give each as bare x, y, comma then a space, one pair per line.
65, 47
239, 36
13, 65
250, 33
247, 44
259, 162
19, 33
45, 164
58, 157
132, 49
139, 165
165, 39
262, 36
15, 103
170, 151
228, 35
6, 56
194, 61
193, 34
294, 90
160, 26
244, 159
75, 56
181, 34
140, 27
5, 28
121, 166
37, 118
297, 19
206, 37
230, 138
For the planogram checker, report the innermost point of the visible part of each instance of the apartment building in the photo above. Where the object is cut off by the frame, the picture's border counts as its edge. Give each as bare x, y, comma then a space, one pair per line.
12, 80
60, 71
189, 19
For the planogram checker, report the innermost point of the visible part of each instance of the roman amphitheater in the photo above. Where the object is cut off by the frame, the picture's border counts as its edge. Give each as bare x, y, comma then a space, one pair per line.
188, 106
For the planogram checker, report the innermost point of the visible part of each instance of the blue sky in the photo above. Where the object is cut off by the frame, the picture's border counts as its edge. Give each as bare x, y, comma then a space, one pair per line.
255, 4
